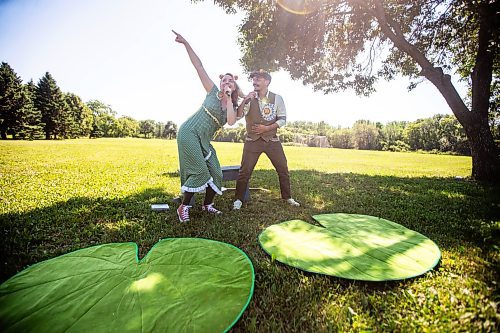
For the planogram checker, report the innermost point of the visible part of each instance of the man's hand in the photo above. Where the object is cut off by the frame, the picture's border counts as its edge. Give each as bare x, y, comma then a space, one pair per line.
259, 129
251, 95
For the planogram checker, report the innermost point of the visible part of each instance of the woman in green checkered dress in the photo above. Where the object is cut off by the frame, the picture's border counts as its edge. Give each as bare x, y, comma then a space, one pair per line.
199, 167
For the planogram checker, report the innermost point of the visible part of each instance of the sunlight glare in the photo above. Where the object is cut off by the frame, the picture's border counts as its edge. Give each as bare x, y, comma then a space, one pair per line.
147, 283
299, 7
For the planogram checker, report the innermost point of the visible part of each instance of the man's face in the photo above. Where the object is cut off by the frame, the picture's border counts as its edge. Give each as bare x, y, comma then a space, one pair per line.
259, 83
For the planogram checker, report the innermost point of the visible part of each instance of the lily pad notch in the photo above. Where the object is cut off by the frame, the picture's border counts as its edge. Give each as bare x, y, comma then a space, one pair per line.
182, 284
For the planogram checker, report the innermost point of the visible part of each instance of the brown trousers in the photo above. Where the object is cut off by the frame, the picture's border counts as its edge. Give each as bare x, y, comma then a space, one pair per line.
251, 154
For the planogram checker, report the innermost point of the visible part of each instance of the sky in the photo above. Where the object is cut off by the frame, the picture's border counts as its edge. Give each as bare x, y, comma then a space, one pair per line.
123, 53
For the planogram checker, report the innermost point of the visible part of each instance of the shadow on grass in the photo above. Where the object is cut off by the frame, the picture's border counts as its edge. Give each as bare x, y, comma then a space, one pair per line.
458, 216
80, 222
452, 213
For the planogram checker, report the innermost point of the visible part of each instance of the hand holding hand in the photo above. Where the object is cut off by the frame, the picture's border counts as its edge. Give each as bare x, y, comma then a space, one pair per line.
259, 129
179, 38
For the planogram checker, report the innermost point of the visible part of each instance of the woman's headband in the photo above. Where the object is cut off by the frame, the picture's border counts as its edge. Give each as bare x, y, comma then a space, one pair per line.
235, 77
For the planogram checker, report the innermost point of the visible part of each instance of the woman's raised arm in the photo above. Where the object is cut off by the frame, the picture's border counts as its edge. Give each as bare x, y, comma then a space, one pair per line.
205, 79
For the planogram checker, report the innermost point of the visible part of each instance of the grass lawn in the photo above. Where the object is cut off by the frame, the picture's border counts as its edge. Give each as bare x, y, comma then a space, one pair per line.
61, 196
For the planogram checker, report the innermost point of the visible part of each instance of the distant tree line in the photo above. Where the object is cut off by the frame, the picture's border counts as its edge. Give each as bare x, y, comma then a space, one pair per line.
36, 111
440, 133
42, 110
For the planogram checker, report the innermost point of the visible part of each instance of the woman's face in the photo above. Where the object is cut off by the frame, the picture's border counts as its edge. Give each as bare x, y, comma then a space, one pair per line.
227, 80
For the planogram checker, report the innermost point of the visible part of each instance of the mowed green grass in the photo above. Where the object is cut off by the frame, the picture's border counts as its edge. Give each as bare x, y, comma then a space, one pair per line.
60, 196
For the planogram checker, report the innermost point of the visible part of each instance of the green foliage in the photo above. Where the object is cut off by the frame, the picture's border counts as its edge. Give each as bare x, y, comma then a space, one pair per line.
28, 118
80, 115
104, 119
339, 45
147, 127
341, 138
286, 135
61, 196
391, 136
494, 117
50, 101
365, 135
232, 134
26, 111
439, 133
12, 99
126, 127
169, 130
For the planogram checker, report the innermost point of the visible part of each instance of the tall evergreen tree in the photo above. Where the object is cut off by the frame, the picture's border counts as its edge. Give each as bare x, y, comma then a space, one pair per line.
11, 99
29, 120
50, 101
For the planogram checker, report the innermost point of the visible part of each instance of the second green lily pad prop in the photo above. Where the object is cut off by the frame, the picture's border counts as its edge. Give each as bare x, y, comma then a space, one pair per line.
351, 246
181, 285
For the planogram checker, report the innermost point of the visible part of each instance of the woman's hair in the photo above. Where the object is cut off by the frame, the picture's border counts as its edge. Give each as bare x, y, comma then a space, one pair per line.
235, 94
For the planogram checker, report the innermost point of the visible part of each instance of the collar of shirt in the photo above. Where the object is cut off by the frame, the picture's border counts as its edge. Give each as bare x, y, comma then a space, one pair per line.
264, 100
265, 97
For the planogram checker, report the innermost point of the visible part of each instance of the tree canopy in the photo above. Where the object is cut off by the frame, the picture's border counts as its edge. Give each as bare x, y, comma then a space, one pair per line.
349, 44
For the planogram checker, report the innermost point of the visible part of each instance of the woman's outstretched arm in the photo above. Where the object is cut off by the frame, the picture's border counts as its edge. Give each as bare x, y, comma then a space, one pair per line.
205, 80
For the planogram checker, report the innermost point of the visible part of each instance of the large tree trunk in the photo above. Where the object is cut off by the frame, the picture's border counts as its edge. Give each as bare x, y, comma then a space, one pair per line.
485, 158
485, 154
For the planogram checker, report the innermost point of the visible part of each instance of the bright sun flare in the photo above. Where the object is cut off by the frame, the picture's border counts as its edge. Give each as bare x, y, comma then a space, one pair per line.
299, 7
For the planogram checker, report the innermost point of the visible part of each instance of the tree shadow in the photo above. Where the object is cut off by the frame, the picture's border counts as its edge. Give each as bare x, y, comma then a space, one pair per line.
80, 222
452, 213
456, 215
444, 209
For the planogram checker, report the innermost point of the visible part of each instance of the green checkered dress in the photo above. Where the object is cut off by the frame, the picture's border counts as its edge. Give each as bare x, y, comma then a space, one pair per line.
199, 166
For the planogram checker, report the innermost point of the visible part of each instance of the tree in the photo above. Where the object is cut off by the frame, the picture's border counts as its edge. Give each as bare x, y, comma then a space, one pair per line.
392, 135
126, 127
29, 119
50, 101
341, 138
104, 119
11, 99
170, 130
147, 127
422, 134
349, 44
495, 123
452, 135
81, 119
365, 135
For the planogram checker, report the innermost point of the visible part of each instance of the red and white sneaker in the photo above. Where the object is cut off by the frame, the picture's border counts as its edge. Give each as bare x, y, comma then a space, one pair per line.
211, 209
183, 213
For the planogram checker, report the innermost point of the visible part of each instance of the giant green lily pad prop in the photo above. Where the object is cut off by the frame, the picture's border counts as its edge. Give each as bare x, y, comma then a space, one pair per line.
351, 246
181, 285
